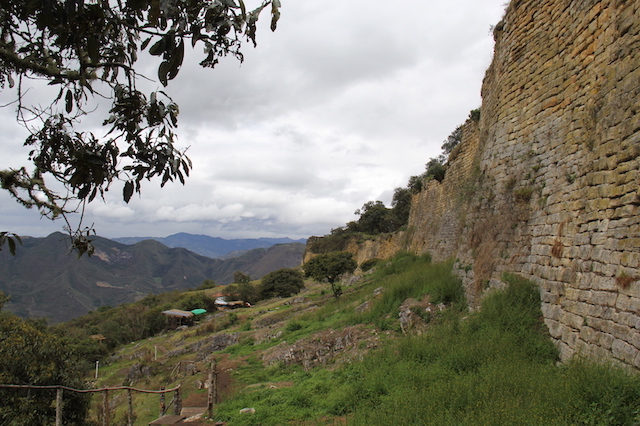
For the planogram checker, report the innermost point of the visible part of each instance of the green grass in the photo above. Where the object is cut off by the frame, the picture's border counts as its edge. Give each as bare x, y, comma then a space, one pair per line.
411, 276
493, 367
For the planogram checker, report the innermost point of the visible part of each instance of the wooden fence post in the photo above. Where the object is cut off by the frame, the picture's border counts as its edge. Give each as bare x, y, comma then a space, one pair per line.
215, 383
163, 407
105, 408
178, 403
59, 407
212, 391
130, 413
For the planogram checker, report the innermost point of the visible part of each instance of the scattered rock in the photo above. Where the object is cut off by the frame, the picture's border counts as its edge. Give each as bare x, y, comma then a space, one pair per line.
414, 315
321, 348
363, 307
266, 336
352, 280
296, 300
176, 352
216, 343
137, 372
378, 291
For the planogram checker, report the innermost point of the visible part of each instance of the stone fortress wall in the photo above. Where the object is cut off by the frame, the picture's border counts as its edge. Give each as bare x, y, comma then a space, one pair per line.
547, 184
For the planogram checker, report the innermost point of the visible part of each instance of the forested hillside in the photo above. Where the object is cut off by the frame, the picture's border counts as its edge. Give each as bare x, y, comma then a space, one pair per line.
45, 280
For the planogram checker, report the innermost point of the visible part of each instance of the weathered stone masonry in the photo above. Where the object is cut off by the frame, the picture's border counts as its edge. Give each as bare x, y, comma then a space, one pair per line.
560, 146
547, 184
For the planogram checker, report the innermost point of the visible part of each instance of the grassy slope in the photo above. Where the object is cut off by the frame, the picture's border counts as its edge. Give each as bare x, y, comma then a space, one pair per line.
494, 367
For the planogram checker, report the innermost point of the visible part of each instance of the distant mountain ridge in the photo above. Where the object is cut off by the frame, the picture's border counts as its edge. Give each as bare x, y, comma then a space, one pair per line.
213, 247
45, 280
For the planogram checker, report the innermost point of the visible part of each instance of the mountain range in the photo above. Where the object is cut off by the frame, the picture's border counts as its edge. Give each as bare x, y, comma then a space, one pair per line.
213, 247
45, 280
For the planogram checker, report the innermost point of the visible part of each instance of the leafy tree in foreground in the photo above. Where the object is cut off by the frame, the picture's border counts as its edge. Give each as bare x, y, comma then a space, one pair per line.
281, 283
87, 51
330, 267
31, 356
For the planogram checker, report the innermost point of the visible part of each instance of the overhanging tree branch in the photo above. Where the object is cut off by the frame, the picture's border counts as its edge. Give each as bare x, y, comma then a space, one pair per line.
76, 44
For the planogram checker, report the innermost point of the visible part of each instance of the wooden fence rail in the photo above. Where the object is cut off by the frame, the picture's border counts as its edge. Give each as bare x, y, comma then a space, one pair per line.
177, 400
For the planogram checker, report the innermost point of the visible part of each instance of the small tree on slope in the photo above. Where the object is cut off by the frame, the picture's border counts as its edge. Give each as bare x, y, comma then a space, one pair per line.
330, 267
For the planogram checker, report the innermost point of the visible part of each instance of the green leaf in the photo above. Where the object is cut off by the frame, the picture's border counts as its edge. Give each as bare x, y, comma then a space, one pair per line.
84, 191
158, 47
163, 70
12, 246
177, 56
93, 194
195, 34
93, 49
145, 44
127, 192
69, 101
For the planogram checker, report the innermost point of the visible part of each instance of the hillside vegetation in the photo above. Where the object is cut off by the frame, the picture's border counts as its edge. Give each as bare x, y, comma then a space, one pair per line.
398, 347
46, 281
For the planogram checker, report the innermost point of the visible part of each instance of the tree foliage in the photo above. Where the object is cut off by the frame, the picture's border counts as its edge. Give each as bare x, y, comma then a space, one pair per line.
330, 267
452, 140
10, 239
31, 356
207, 284
88, 51
283, 282
244, 291
241, 278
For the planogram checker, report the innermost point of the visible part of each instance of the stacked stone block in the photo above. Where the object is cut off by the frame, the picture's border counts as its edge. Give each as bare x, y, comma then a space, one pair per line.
560, 140
548, 184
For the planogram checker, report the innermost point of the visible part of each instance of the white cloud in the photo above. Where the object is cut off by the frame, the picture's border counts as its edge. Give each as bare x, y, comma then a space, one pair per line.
339, 106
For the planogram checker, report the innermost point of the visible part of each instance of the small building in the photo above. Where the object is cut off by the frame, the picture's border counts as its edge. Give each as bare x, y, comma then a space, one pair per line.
221, 303
177, 317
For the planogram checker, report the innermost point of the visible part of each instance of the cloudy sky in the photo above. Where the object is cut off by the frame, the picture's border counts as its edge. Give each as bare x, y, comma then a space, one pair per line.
342, 104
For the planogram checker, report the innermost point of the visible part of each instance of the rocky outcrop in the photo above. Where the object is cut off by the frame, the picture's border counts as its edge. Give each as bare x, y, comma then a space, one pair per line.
321, 348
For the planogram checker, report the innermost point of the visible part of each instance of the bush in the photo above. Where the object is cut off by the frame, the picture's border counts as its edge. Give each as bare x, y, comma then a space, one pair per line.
368, 264
336, 241
198, 300
330, 267
284, 282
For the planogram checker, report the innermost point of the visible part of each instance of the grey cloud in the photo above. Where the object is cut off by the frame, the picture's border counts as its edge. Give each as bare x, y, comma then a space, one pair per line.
338, 107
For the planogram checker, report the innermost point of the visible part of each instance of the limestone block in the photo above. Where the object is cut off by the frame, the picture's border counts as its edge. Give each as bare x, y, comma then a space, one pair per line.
634, 339
634, 304
624, 351
605, 340
565, 351
595, 311
603, 298
548, 297
572, 320
569, 336
621, 332
589, 335
551, 312
623, 302
555, 328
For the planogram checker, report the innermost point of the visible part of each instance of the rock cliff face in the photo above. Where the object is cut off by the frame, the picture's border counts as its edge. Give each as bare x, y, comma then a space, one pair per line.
546, 185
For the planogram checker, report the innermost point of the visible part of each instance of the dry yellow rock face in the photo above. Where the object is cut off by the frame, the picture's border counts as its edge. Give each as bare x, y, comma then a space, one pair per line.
547, 184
